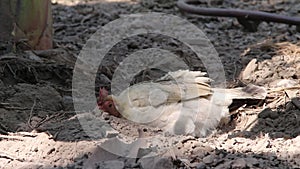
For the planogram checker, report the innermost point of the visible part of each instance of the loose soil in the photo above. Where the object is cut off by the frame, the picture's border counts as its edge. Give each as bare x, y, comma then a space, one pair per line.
39, 127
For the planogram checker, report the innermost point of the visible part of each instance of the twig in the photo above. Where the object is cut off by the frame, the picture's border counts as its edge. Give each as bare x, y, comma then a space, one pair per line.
3, 155
54, 136
19, 136
6, 106
9, 137
14, 108
24, 134
47, 118
10, 69
30, 115
235, 69
250, 124
283, 88
14, 74
7, 57
3, 130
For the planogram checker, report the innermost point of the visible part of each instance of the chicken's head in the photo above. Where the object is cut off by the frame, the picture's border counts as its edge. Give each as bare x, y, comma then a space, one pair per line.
106, 103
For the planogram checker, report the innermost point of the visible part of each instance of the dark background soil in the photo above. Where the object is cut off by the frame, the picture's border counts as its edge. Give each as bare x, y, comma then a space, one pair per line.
40, 129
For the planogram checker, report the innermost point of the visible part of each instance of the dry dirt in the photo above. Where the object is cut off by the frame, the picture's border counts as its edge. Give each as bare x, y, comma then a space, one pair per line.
40, 129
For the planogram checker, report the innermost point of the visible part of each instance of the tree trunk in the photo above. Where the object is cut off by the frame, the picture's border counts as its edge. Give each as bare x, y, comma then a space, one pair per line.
26, 22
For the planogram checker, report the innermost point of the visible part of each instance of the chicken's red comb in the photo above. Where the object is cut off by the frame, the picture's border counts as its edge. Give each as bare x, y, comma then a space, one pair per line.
102, 94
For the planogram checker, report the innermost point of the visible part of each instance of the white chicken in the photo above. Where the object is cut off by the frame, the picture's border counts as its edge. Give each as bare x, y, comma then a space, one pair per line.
180, 102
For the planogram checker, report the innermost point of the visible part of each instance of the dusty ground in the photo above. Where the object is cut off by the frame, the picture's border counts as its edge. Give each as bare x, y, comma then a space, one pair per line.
39, 128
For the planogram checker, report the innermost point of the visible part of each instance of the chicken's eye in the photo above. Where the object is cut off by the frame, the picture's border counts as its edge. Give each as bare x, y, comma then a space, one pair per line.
110, 105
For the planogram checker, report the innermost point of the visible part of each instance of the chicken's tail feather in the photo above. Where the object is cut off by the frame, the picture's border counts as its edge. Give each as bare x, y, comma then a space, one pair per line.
249, 92
186, 76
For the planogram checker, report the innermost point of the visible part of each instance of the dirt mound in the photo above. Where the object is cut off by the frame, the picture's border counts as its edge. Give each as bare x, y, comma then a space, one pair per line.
40, 129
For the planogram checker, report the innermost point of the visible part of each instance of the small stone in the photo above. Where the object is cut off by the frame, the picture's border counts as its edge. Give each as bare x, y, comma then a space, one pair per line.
274, 115
209, 159
143, 152
251, 161
268, 113
26, 165
113, 164
156, 162
67, 102
224, 165
201, 165
163, 163
239, 163
278, 134
266, 56
111, 133
32, 56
